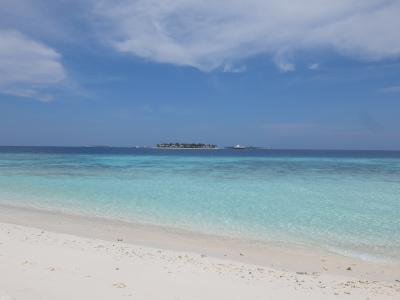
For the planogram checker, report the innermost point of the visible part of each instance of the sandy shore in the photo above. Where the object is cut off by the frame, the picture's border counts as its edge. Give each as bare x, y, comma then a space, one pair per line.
46, 255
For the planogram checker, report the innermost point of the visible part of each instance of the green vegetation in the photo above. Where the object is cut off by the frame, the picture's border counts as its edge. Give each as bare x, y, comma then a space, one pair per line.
187, 145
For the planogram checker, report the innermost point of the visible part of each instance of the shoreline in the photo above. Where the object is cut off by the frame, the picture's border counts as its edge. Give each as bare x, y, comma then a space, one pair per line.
45, 255
277, 255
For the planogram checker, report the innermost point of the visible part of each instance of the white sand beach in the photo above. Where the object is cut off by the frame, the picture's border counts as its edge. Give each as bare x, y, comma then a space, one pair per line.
53, 256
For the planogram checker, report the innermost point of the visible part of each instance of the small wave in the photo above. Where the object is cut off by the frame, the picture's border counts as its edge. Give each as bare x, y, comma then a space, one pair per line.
363, 255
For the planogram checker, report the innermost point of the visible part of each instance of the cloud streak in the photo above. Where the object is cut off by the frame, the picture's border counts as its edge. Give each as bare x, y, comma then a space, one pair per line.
288, 128
390, 89
213, 33
28, 67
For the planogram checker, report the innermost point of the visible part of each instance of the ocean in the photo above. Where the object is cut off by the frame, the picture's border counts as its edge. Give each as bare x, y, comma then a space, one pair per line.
346, 202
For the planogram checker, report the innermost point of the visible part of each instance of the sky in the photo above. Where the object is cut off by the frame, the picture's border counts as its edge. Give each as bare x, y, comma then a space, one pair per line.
312, 74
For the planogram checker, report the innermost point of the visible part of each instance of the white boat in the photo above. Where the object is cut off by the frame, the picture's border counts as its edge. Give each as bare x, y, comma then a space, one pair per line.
238, 147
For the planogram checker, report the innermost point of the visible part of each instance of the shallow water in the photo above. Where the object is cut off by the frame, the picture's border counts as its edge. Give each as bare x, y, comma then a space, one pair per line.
342, 201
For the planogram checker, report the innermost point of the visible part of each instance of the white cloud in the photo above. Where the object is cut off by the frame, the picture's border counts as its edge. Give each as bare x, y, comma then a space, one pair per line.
27, 67
210, 34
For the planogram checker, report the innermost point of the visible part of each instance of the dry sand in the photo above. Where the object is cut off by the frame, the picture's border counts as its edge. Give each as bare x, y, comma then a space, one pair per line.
54, 256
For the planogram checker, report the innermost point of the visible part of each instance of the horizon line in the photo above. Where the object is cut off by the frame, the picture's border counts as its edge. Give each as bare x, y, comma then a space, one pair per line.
218, 148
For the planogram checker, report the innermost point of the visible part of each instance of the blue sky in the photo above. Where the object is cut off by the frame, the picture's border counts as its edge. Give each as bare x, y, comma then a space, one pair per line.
323, 74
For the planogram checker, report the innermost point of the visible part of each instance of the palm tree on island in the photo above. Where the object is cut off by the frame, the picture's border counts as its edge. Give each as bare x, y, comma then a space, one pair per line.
186, 146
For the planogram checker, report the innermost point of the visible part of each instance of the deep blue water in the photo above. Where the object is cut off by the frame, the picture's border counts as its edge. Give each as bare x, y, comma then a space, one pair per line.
344, 201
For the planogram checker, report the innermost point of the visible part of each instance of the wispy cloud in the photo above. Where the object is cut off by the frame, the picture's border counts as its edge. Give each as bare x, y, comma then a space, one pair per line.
229, 68
209, 34
390, 89
288, 128
28, 67
313, 66
213, 33
283, 62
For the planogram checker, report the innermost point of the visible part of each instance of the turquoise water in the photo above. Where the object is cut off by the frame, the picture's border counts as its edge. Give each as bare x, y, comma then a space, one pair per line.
348, 202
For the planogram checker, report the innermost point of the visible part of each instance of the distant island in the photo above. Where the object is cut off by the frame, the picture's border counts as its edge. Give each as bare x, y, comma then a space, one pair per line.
186, 146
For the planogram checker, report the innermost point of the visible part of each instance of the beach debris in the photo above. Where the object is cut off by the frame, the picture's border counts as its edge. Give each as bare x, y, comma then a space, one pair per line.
301, 273
51, 269
397, 280
119, 285
116, 269
241, 254
348, 268
120, 239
